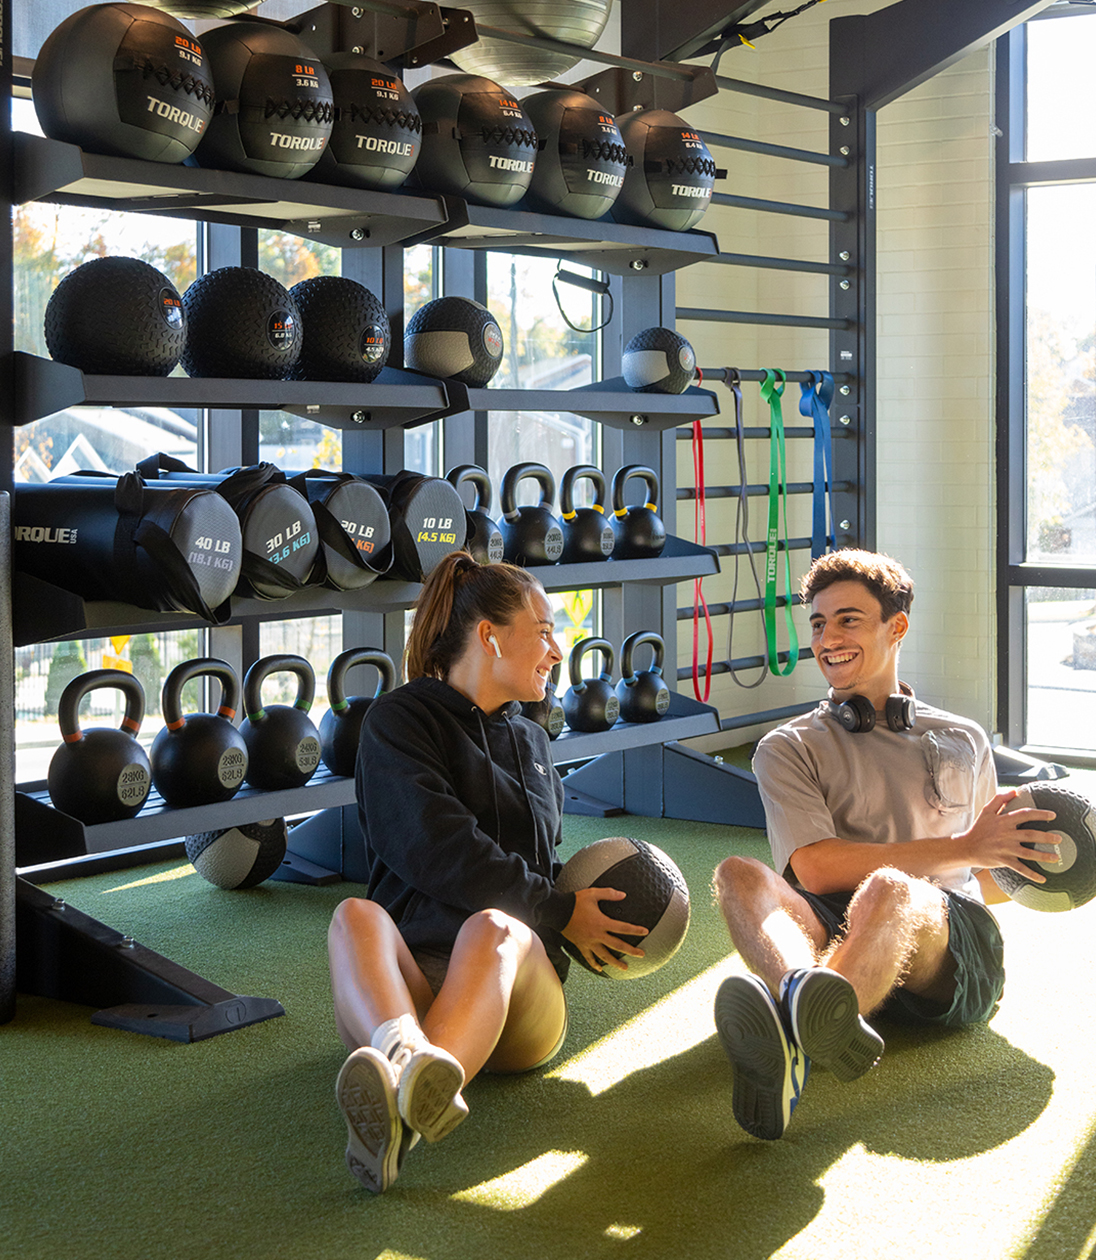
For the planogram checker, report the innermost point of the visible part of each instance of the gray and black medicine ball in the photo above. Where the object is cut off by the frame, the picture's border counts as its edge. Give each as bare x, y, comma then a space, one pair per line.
239, 857
477, 141
116, 316
125, 80
344, 331
659, 361
670, 179
454, 337
274, 111
581, 158
377, 132
240, 322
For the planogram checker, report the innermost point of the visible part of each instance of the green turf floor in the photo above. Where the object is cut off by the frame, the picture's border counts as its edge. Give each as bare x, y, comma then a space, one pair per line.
977, 1144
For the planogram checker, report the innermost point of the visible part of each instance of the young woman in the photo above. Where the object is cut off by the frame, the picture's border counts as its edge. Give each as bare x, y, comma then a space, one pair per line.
454, 962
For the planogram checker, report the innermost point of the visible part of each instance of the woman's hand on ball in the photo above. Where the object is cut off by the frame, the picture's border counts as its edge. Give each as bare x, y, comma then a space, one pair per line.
598, 937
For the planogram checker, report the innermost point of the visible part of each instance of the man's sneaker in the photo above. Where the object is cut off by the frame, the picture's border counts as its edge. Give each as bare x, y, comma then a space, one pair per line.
366, 1092
769, 1068
429, 1079
823, 1014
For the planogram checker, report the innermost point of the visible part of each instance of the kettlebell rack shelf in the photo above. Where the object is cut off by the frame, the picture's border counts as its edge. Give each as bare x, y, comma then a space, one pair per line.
44, 834
396, 399
42, 611
50, 170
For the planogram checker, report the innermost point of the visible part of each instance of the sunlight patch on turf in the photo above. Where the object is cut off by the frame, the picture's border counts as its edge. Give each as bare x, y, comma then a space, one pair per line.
165, 877
676, 1023
623, 1232
525, 1185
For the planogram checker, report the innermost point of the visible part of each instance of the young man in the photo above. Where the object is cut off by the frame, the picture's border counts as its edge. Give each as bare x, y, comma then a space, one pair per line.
884, 820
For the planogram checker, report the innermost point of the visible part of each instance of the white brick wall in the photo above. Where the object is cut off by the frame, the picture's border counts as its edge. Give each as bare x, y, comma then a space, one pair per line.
935, 353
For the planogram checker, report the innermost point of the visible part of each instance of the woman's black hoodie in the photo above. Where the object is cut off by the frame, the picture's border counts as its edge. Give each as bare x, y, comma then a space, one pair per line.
461, 812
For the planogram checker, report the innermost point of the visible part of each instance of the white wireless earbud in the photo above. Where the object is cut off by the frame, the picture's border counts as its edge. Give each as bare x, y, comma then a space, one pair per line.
492, 640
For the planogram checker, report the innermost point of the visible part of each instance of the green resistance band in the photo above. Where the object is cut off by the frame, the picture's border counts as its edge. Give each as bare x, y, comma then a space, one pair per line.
778, 489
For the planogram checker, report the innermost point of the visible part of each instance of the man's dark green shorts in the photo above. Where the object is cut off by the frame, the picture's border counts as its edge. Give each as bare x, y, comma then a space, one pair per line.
975, 943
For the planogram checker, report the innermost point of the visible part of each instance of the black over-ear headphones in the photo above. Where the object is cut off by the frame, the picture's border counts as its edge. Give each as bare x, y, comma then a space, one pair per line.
857, 713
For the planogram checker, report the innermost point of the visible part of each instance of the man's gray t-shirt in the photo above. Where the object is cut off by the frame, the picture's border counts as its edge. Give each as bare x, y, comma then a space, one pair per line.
819, 781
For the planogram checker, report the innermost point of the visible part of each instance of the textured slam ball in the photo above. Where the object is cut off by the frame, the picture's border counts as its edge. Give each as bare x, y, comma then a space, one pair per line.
116, 316
581, 158
578, 22
239, 857
657, 898
377, 132
1070, 882
274, 109
670, 178
344, 331
125, 80
454, 337
477, 141
659, 361
240, 322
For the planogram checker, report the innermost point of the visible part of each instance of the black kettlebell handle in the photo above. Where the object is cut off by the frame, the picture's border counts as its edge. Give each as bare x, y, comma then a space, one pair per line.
581, 472
521, 472
68, 707
627, 650
581, 648
263, 668
626, 474
171, 697
477, 477
336, 675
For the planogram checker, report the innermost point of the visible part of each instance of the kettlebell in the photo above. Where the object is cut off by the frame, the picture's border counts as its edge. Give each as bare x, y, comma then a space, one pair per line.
283, 745
547, 712
587, 533
640, 534
201, 758
341, 725
591, 704
100, 775
644, 697
531, 535
484, 540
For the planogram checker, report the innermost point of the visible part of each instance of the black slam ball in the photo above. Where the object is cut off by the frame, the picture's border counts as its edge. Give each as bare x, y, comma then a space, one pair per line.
671, 175
116, 316
239, 857
240, 322
345, 332
125, 80
1071, 881
659, 361
657, 898
454, 337
581, 158
477, 141
274, 109
377, 132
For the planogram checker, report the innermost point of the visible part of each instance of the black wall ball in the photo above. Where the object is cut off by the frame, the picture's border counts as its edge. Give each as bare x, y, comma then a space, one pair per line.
581, 158
578, 22
124, 80
116, 316
1071, 881
345, 332
377, 131
240, 322
659, 361
274, 110
239, 857
477, 141
454, 337
670, 179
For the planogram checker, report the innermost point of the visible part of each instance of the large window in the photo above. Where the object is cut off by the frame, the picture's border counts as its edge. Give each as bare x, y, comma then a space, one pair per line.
1048, 520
